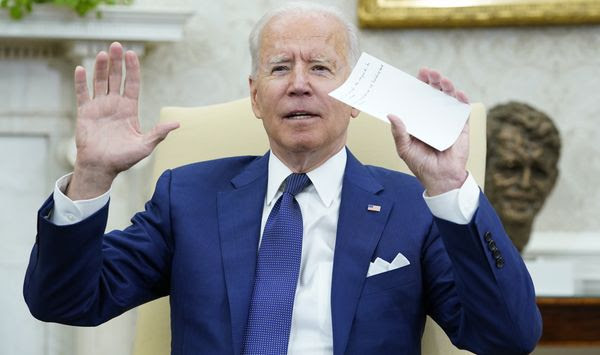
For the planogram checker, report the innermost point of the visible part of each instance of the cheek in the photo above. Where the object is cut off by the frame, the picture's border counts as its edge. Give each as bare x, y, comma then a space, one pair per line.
269, 90
542, 185
501, 180
341, 111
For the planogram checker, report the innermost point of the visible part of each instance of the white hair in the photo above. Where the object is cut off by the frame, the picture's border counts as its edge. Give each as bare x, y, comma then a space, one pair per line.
295, 8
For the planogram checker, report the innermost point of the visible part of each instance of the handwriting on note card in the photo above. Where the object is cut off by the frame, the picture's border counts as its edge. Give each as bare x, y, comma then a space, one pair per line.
380, 89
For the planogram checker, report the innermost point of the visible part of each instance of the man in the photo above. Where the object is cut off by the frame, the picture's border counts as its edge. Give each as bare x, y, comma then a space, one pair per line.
350, 258
522, 158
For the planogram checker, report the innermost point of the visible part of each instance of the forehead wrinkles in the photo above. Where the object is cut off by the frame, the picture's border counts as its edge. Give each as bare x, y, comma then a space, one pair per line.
292, 33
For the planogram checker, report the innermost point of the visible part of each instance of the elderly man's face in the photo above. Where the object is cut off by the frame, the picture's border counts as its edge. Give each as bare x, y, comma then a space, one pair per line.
521, 174
302, 58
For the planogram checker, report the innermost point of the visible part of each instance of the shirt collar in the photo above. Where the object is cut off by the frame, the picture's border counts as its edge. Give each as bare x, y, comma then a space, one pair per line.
327, 178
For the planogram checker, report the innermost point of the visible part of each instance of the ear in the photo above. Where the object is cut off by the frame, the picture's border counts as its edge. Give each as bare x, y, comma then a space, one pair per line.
253, 85
354, 113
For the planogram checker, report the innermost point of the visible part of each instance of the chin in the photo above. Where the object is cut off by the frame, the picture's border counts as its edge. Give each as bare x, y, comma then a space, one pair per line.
302, 148
302, 143
518, 217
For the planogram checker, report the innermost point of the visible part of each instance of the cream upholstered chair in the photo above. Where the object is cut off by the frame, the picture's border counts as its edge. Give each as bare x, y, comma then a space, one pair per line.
231, 129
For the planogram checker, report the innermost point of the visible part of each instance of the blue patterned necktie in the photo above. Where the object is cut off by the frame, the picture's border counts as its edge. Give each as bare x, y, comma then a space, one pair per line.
277, 268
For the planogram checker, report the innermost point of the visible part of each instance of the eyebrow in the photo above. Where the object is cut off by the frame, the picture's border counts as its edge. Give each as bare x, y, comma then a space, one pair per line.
278, 59
284, 58
320, 58
324, 60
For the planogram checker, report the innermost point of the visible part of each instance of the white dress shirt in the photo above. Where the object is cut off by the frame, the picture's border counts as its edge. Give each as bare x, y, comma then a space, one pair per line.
311, 330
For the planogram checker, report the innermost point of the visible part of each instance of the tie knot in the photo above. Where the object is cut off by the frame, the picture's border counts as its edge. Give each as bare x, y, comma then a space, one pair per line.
296, 183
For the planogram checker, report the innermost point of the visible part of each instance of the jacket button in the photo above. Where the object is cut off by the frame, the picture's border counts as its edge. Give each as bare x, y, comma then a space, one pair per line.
492, 246
488, 237
497, 255
500, 262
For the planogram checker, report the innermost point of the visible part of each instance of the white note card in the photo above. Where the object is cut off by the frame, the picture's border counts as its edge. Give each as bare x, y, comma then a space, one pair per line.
380, 89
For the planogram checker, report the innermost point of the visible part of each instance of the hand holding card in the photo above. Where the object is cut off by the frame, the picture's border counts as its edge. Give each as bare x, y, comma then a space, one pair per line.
379, 89
428, 121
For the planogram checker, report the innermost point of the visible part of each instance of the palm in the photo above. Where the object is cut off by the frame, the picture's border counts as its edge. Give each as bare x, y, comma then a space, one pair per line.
108, 135
430, 164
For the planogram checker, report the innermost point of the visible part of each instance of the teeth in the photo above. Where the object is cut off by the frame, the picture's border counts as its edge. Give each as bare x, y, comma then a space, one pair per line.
300, 115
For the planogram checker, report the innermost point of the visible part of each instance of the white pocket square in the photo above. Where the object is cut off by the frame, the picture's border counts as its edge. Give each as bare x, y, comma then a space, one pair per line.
379, 265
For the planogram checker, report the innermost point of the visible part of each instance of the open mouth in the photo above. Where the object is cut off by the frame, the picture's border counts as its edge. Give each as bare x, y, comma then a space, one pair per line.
300, 115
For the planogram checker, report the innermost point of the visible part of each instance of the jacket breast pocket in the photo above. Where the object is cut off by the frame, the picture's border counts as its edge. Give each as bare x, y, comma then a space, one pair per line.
401, 277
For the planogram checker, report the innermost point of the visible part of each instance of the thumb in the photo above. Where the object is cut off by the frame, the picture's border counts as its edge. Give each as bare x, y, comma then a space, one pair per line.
401, 136
159, 132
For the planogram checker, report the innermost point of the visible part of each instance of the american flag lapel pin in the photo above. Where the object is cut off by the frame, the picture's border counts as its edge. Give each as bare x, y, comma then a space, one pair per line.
374, 208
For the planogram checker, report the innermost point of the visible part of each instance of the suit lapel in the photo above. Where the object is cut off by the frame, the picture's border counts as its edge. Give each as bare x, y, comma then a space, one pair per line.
358, 233
240, 214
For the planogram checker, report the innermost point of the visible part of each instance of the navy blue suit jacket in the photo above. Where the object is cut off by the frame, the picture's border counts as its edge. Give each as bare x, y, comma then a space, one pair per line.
197, 241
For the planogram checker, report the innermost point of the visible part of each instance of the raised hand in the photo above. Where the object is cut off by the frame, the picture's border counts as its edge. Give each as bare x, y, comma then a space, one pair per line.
438, 171
107, 134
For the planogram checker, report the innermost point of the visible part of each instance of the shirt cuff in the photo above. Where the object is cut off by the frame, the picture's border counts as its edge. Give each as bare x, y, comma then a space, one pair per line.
67, 211
458, 205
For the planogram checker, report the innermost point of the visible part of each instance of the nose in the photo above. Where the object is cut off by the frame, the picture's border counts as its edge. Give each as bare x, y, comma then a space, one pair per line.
525, 177
299, 82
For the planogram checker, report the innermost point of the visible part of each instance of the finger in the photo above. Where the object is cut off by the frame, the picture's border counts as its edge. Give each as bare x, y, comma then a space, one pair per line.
435, 79
159, 132
401, 136
466, 128
447, 87
115, 68
423, 75
132, 76
462, 97
81, 89
461, 146
101, 74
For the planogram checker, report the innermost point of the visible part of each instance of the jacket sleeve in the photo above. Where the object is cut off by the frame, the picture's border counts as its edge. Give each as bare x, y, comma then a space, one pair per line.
478, 287
78, 275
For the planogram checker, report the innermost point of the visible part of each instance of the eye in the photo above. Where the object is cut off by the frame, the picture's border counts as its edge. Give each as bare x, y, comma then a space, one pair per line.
279, 69
539, 171
509, 168
320, 68
510, 165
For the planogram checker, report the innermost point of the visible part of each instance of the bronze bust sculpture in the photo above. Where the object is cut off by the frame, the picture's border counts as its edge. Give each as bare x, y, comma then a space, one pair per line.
521, 169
